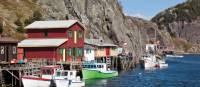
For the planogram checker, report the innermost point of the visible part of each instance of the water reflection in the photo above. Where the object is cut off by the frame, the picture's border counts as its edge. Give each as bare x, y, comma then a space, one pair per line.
182, 72
96, 82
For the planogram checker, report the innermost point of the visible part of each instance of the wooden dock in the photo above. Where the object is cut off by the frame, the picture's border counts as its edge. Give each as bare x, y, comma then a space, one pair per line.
11, 73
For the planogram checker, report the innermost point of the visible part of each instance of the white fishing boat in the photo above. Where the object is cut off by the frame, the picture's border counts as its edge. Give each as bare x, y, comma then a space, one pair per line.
148, 61
53, 75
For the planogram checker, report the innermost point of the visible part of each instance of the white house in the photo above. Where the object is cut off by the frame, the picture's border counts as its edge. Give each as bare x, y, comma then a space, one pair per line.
89, 53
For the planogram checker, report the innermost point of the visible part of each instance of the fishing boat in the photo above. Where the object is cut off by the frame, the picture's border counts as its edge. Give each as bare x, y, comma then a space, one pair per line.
53, 75
92, 70
148, 61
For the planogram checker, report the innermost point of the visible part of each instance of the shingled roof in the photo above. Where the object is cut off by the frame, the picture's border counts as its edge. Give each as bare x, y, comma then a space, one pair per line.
52, 24
97, 42
8, 40
42, 42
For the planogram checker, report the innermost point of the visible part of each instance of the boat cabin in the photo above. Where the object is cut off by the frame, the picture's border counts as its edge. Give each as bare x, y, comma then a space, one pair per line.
96, 66
57, 72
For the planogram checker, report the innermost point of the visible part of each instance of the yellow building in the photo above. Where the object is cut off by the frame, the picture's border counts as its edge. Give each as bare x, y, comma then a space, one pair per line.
103, 51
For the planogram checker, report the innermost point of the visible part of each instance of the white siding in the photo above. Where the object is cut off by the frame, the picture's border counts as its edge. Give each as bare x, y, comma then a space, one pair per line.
150, 47
88, 56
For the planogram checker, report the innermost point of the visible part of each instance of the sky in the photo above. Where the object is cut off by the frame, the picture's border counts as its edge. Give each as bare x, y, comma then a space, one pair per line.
147, 8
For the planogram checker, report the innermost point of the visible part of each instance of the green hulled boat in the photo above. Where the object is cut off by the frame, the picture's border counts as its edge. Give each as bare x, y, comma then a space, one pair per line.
97, 70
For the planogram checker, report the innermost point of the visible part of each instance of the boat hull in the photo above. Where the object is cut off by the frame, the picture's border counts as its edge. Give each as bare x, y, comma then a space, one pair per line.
95, 74
41, 82
147, 64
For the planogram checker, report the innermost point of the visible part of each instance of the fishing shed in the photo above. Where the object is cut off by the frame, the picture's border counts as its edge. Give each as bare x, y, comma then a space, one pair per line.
8, 49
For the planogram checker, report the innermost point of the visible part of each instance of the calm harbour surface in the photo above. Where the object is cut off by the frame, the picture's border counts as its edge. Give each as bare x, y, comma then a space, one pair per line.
181, 72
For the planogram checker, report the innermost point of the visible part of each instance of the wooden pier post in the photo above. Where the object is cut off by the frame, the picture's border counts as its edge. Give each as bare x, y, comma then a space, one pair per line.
12, 79
20, 79
1, 74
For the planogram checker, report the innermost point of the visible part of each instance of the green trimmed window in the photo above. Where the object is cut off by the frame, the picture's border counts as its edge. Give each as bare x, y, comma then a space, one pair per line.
61, 51
80, 52
80, 34
70, 51
70, 34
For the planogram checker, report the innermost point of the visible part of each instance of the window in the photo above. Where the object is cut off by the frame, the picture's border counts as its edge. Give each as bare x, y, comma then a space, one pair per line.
14, 50
58, 73
80, 34
87, 51
45, 33
71, 73
90, 50
48, 72
101, 48
61, 51
44, 72
80, 52
70, 51
2, 50
65, 73
86, 66
70, 34
94, 66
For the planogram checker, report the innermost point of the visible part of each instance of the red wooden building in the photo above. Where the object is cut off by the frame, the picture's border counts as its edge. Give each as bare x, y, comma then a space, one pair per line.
61, 40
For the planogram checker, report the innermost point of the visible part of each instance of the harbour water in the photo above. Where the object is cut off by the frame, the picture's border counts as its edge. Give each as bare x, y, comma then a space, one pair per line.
181, 72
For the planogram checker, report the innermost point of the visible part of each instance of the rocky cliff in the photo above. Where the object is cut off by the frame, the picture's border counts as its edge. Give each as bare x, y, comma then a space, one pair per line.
103, 19
182, 22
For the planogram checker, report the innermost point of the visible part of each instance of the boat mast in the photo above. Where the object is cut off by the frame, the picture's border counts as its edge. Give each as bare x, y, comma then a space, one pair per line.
140, 42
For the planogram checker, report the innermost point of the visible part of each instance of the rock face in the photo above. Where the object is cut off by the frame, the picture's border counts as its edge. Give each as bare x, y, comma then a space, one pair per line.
103, 19
182, 21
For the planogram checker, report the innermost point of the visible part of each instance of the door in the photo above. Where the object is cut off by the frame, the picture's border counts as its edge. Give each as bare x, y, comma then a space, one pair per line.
107, 51
20, 54
7, 53
64, 54
2, 53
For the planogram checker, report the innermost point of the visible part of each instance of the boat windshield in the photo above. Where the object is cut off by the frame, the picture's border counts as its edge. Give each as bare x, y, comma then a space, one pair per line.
47, 71
93, 66
64, 73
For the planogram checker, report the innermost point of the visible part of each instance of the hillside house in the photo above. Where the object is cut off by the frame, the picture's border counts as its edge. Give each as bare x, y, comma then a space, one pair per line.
103, 51
60, 41
8, 49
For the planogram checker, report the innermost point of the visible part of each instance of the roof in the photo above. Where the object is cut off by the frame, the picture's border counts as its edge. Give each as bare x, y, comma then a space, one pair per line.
52, 24
8, 40
97, 42
41, 42
88, 47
